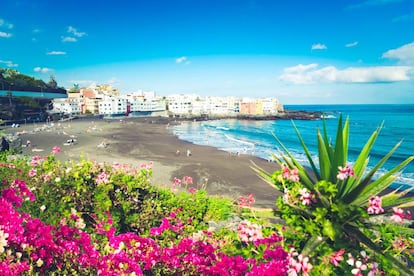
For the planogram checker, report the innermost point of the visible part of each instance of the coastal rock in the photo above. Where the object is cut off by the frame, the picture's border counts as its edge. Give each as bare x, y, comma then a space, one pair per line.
12, 143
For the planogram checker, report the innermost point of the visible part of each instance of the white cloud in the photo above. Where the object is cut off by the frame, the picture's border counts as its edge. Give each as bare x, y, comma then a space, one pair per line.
75, 32
308, 74
319, 46
68, 39
9, 63
5, 35
5, 24
404, 18
73, 35
352, 44
405, 53
42, 70
180, 59
56, 53
368, 3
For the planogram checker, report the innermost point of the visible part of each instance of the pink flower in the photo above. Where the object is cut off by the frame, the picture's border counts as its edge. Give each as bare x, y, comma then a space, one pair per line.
345, 172
359, 267
246, 201
116, 165
36, 160
248, 231
47, 176
292, 175
300, 265
306, 197
187, 180
374, 207
32, 172
399, 215
192, 190
177, 181
55, 150
337, 257
103, 177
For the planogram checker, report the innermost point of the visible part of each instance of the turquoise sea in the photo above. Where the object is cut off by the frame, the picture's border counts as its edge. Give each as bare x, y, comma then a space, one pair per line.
256, 137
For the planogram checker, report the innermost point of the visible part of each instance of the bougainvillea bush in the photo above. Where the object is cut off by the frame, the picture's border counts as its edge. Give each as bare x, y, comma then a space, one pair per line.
87, 218
338, 215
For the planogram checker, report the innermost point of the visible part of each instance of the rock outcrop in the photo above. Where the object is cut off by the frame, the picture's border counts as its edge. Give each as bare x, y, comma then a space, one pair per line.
11, 143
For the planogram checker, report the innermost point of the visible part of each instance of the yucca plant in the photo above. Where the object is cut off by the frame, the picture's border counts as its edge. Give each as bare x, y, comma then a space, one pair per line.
332, 205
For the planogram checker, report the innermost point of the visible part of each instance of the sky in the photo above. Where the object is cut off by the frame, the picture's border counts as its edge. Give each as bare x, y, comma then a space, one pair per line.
299, 51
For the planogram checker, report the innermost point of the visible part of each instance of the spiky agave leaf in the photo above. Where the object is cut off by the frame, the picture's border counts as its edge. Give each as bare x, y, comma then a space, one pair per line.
397, 199
375, 187
307, 152
293, 163
324, 159
361, 162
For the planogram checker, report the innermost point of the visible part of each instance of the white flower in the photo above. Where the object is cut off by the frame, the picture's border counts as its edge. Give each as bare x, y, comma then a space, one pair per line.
57, 179
3, 240
39, 262
42, 208
79, 223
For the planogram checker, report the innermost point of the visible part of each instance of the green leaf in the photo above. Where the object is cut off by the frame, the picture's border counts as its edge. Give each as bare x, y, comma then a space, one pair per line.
312, 244
380, 184
324, 160
361, 162
293, 163
328, 230
355, 232
308, 155
326, 140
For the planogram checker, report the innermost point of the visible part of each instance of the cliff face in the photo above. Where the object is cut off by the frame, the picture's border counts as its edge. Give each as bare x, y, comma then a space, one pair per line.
20, 108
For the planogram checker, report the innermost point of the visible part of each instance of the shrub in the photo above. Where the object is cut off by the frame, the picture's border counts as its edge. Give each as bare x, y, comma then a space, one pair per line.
335, 211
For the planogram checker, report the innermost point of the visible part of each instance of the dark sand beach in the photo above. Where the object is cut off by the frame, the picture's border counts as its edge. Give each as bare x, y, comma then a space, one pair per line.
136, 141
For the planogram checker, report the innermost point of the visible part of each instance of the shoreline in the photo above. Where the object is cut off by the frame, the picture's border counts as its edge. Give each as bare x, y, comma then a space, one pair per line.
140, 140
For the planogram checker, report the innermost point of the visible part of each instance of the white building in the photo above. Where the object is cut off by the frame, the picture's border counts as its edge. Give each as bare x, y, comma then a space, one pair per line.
113, 106
181, 104
69, 106
270, 105
147, 102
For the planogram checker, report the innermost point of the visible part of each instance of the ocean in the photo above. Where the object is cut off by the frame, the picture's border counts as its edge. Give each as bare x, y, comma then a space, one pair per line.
256, 137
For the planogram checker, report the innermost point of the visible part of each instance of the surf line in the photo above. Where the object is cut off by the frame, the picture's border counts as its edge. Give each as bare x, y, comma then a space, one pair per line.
239, 141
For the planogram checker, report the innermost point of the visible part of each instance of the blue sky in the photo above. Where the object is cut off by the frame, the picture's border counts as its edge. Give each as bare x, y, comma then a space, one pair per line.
300, 51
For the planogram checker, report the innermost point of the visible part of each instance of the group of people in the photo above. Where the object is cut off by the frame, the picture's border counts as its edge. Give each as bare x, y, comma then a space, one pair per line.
189, 153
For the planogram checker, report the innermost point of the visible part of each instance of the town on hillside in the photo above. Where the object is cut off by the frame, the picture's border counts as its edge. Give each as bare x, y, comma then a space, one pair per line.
26, 99
107, 101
